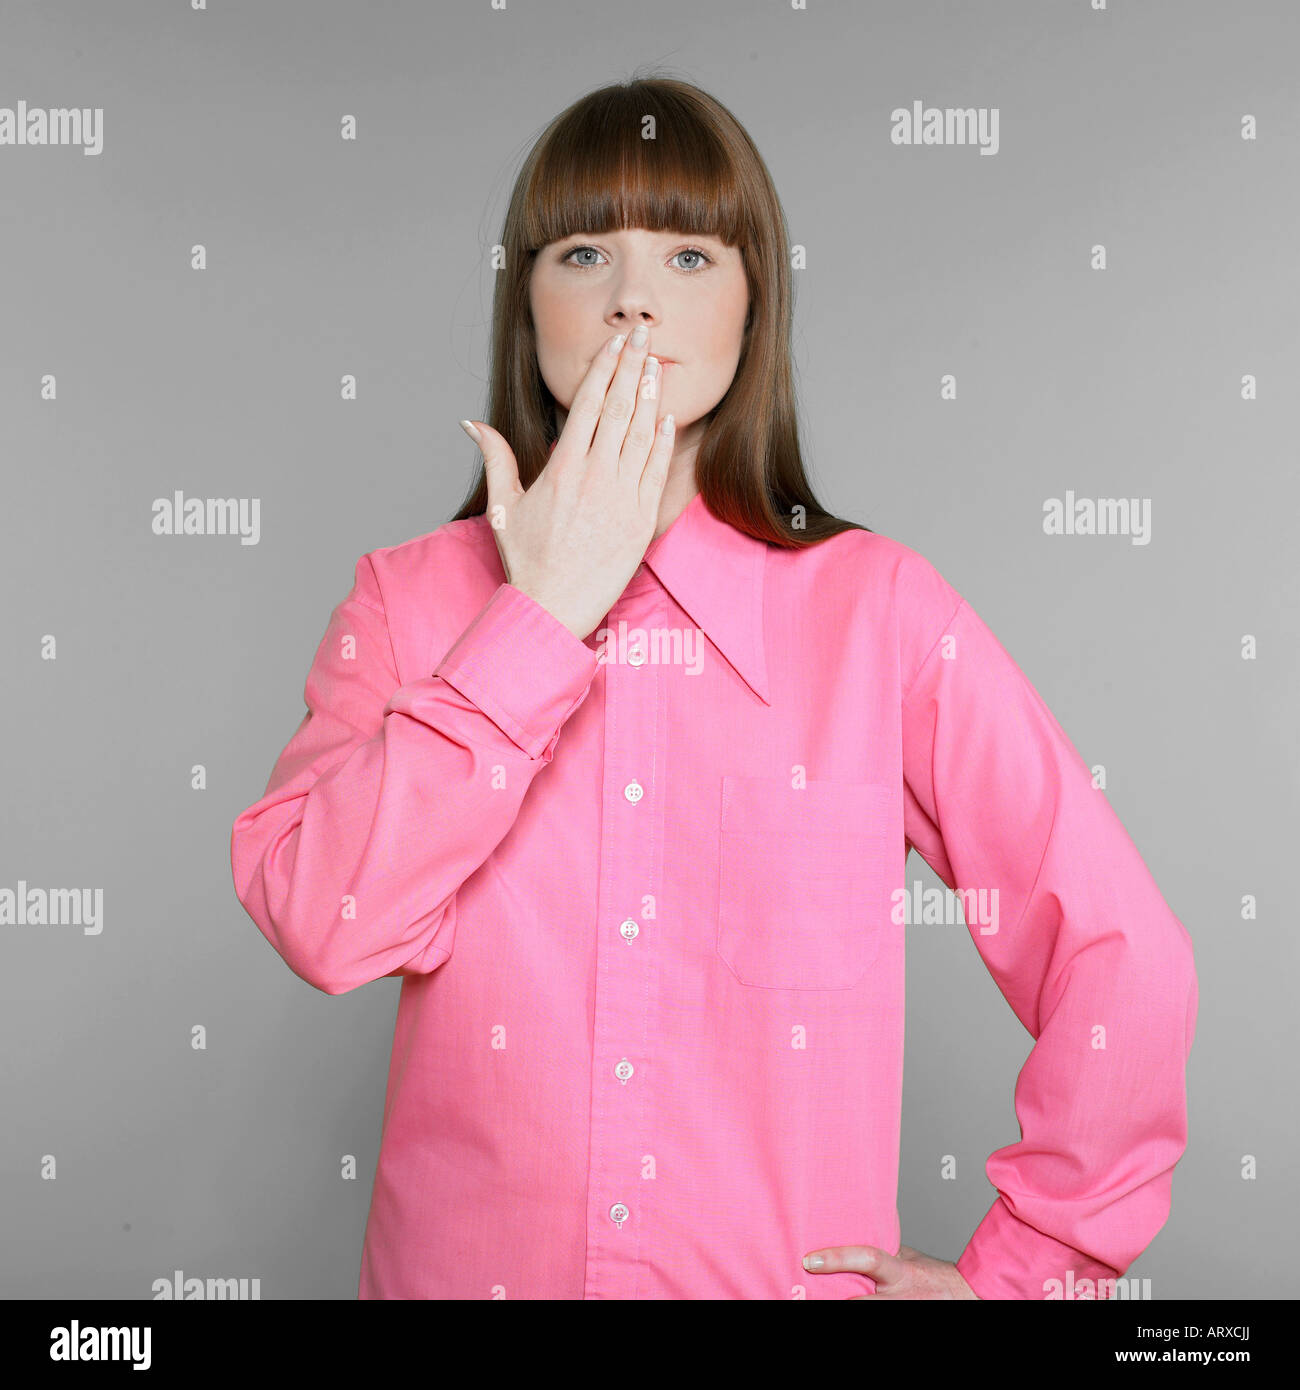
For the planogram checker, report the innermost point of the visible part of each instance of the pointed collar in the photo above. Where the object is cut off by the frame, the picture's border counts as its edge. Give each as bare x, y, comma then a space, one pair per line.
716, 574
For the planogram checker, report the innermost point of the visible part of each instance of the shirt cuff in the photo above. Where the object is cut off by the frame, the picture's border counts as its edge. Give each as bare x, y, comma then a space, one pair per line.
1006, 1258
522, 667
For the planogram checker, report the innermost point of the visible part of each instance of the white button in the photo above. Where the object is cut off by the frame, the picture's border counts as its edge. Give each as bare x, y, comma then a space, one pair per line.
618, 1213
636, 657
624, 1070
634, 791
629, 930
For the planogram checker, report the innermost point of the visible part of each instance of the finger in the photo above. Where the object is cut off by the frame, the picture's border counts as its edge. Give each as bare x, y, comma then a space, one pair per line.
589, 399
641, 428
875, 1263
655, 473
500, 472
620, 400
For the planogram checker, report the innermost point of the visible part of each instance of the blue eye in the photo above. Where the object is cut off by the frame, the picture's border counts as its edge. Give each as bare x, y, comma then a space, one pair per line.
574, 252
690, 251
694, 251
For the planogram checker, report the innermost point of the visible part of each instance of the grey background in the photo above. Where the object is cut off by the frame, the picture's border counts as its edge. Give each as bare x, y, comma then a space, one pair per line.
328, 257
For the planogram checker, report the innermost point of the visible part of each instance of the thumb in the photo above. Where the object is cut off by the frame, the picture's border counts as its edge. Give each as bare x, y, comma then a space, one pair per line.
500, 468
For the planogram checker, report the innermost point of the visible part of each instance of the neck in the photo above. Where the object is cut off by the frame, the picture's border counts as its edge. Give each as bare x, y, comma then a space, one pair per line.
677, 494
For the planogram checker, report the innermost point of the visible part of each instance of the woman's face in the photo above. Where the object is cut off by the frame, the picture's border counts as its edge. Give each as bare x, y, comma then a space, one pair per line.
689, 290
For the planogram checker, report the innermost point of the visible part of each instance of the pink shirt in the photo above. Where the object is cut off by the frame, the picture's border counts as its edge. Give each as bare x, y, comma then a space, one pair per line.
650, 1035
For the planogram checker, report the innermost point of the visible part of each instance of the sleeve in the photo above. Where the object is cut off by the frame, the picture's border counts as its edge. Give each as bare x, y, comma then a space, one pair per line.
1084, 949
388, 797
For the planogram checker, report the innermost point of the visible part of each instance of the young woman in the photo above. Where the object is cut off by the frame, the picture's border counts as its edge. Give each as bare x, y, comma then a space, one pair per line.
618, 771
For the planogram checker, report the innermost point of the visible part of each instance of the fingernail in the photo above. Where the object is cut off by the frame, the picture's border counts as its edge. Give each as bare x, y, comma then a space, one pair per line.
639, 335
813, 1262
469, 429
616, 344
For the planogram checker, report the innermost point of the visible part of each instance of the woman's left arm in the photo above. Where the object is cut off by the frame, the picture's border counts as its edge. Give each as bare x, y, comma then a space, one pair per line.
1086, 951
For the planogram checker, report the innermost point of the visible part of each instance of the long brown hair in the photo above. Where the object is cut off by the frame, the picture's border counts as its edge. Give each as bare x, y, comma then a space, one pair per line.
592, 170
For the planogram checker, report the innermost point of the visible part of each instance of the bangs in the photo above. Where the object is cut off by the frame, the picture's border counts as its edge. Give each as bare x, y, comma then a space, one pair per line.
595, 173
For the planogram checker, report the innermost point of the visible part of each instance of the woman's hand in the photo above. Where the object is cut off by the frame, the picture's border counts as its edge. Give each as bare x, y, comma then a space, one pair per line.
575, 538
909, 1274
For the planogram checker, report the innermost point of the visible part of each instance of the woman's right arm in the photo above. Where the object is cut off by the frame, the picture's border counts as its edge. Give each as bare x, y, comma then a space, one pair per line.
388, 797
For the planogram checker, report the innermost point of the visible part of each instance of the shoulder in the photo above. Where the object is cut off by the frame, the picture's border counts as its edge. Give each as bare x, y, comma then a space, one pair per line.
864, 573
458, 555
887, 571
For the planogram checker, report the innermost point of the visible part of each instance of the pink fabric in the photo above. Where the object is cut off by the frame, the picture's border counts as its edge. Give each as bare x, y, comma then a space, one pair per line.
650, 1035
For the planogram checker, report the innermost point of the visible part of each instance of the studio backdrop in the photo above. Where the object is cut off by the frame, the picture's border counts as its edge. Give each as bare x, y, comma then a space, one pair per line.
1045, 308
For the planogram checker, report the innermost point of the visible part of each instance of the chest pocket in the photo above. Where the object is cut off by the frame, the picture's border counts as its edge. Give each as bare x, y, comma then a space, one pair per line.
804, 881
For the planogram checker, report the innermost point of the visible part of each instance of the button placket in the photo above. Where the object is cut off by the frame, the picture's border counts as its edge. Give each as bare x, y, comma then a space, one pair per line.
626, 962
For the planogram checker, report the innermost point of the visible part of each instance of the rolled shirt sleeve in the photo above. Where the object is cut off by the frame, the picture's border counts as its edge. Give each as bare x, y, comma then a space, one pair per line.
1086, 951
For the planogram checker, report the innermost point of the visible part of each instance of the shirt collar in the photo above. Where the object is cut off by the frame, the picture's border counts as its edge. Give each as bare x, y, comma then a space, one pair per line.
716, 574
